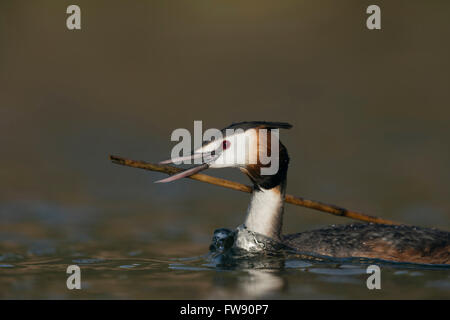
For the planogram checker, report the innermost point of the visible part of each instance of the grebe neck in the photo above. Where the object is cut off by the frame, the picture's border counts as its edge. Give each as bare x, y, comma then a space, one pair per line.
265, 212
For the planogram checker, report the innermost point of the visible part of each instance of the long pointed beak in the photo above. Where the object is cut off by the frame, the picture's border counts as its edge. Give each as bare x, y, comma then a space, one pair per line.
185, 173
181, 159
207, 159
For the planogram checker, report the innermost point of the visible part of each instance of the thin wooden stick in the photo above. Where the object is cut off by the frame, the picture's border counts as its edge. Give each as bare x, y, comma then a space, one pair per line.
338, 211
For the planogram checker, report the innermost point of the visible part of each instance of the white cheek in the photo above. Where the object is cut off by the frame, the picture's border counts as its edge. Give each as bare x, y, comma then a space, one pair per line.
241, 150
209, 147
226, 159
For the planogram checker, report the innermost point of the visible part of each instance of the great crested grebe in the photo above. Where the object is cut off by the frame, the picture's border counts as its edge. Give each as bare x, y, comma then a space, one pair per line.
400, 243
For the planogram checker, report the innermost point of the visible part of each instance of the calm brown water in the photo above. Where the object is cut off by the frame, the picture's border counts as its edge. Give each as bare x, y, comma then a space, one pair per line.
371, 133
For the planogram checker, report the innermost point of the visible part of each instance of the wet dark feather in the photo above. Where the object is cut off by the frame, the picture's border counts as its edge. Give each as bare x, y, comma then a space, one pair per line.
389, 242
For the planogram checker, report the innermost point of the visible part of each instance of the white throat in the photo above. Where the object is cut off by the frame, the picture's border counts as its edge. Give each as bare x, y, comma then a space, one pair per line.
265, 212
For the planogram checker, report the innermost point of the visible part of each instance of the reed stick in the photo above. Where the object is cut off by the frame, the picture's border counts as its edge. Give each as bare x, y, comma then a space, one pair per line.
329, 208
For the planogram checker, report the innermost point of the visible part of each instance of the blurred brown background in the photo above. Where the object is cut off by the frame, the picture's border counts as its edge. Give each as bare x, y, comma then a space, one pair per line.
370, 109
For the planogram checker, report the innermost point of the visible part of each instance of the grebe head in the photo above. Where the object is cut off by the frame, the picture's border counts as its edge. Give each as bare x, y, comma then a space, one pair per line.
253, 147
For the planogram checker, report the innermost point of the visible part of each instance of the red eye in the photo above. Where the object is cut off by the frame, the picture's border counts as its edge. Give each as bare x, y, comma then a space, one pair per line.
225, 144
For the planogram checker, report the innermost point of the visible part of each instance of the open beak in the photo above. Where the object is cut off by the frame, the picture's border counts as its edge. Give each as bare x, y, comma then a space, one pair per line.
207, 158
185, 173
181, 159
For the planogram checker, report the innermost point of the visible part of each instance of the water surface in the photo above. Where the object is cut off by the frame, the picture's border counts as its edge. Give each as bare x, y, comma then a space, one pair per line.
175, 264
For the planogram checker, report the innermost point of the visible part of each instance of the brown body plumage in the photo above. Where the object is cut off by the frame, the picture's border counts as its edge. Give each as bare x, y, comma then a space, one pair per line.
393, 243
